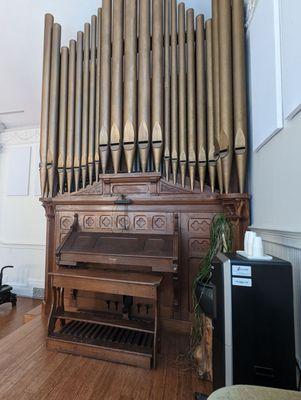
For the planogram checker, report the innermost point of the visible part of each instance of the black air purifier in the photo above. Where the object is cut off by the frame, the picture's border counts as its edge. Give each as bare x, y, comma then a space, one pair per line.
253, 322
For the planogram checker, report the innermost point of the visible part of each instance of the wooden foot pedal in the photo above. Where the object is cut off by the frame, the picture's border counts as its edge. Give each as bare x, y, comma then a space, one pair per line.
106, 337
104, 342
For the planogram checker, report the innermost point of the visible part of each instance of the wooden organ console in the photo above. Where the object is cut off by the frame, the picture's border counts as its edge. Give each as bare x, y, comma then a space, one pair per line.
143, 141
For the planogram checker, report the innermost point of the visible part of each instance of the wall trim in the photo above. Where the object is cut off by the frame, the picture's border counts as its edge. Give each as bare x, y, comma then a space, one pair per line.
22, 136
284, 238
26, 246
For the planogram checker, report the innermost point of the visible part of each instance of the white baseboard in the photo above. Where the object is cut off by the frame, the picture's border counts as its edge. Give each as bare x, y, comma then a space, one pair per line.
28, 260
22, 290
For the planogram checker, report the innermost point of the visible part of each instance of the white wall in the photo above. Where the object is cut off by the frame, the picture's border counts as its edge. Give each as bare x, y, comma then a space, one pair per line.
275, 180
22, 220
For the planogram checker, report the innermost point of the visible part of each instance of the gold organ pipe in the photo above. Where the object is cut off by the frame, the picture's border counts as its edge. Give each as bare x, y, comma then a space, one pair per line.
54, 109
78, 108
201, 100
62, 142
85, 120
182, 93
97, 106
191, 110
144, 84
91, 141
239, 91
70, 118
157, 82
216, 89
117, 71
226, 107
48, 25
105, 84
130, 83
210, 105
167, 143
174, 92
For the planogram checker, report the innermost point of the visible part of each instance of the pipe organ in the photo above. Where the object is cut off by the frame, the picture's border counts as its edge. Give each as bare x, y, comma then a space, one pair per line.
147, 86
143, 133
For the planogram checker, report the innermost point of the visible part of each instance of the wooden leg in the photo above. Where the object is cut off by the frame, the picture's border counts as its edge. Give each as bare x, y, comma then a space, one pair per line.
62, 304
176, 302
156, 330
52, 319
159, 324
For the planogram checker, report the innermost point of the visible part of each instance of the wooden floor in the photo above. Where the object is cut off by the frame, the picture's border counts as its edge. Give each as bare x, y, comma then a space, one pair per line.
29, 372
11, 318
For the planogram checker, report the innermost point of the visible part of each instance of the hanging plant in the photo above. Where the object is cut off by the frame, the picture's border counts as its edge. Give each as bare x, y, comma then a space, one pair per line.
220, 240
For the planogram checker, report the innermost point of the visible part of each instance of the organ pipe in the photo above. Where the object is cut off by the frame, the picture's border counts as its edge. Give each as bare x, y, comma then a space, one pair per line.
92, 94
78, 109
201, 99
239, 91
144, 84
182, 94
62, 141
226, 100
54, 110
143, 89
105, 92
71, 113
48, 26
130, 83
85, 111
157, 83
167, 88
191, 109
98, 93
117, 80
210, 105
216, 90
174, 92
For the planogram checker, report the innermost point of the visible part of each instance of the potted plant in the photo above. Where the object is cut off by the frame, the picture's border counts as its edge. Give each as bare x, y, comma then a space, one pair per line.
220, 240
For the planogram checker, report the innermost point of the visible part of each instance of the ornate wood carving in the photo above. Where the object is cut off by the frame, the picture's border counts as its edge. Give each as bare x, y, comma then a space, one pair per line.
151, 212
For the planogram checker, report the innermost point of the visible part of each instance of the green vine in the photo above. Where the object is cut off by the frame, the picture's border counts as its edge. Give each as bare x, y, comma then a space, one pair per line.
220, 240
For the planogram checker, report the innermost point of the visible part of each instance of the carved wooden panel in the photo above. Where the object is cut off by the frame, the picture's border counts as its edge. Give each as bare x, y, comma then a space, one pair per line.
106, 222
90, 221
199, 225
159, 222
123, 222
141, 222
62, 237
66, 222
198, 246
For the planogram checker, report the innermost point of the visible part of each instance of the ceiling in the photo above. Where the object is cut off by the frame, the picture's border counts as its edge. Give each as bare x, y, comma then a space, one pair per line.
21, 49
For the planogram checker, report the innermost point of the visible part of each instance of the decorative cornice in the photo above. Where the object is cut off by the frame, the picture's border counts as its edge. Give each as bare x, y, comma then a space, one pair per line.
20, 136
284, 238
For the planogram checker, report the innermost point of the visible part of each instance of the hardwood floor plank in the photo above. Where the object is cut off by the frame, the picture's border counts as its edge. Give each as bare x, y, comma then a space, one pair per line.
11, 318
29, 372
